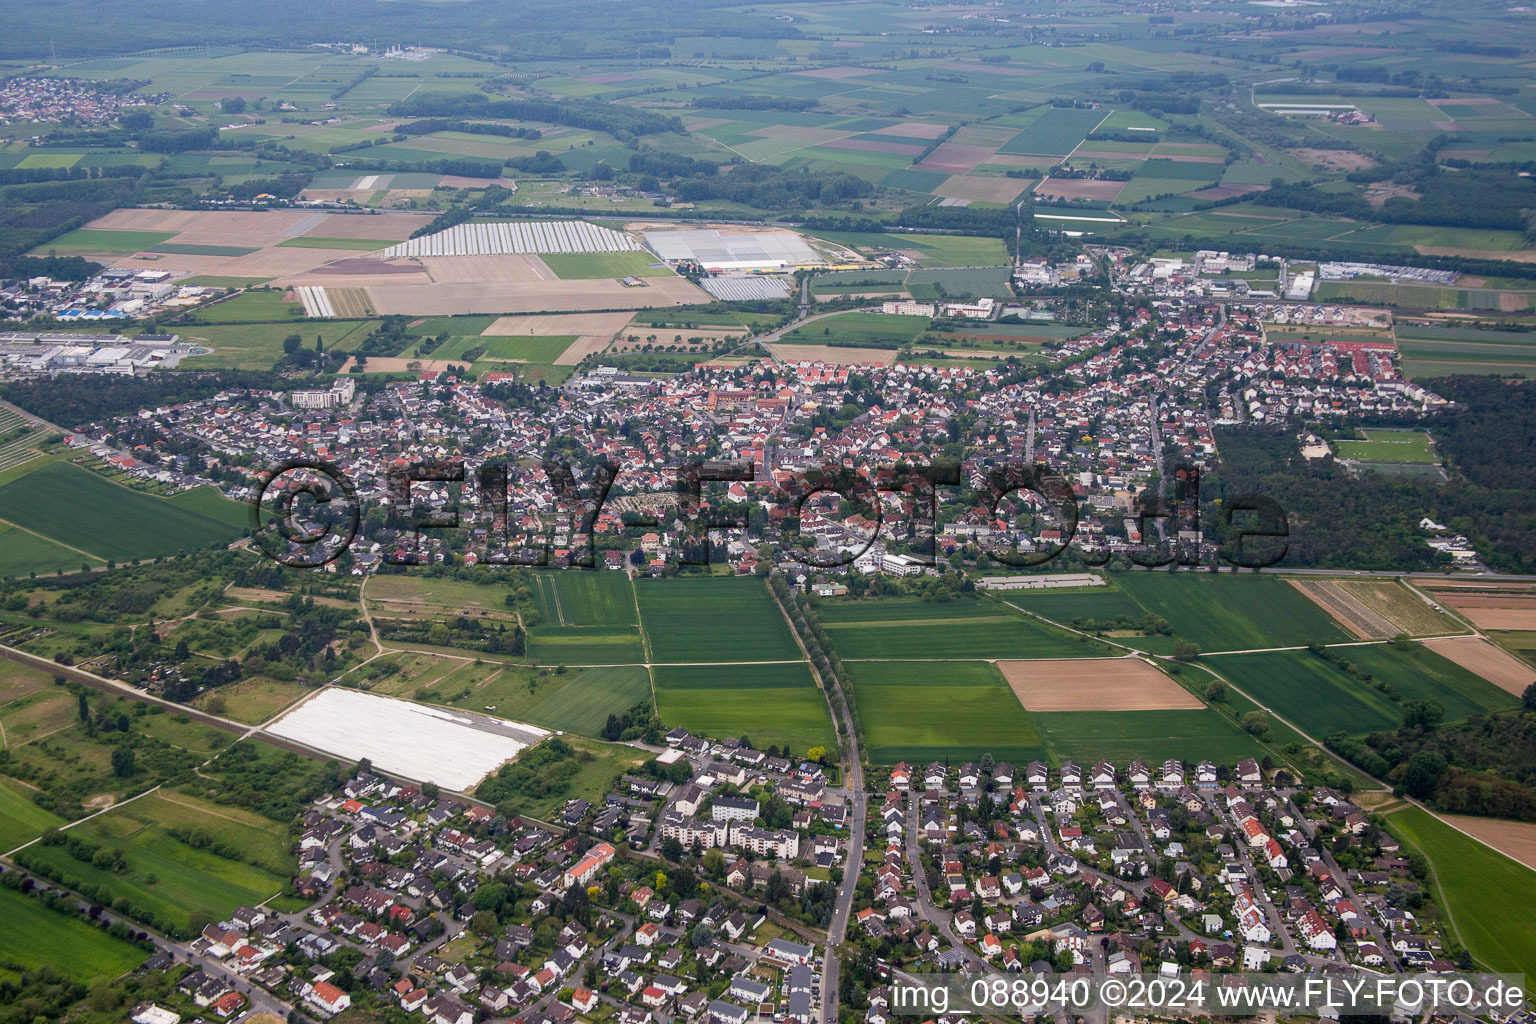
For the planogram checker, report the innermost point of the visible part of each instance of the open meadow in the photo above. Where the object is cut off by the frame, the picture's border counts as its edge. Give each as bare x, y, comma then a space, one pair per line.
920, 712
1489, 897
773, 705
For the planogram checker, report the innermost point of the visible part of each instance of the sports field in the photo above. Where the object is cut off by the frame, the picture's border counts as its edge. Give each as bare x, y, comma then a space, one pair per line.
1490, 898
918, 711
965, 628
92, 516
1121, 736
1388, 446
773, 705
714, 619
1223, 612
35, 936
1322, 698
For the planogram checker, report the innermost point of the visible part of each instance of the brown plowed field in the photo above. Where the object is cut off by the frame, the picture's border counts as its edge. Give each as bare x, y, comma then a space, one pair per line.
1486, 659
1095, 684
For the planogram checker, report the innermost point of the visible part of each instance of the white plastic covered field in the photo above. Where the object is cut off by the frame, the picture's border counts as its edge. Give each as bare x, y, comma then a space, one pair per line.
455, 749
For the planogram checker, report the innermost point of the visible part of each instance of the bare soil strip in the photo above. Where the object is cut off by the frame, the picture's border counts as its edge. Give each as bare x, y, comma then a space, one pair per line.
1095, 684
1484, 658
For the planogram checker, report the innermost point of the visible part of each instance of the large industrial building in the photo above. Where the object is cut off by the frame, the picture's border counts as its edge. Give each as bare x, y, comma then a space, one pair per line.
746, 251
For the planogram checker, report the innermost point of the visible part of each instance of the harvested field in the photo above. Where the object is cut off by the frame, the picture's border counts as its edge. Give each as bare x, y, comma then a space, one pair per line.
475, 269
833, 354
1078, 188
986, 188
347, 225
1372, 609
1486, 659
1095, 684
1514, 839
1511, 611
954, 158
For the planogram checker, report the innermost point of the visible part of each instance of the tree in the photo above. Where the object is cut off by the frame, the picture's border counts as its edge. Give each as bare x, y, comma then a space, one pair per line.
1185, 651
484, 924
1528, 698
122, 761
291, 344
1256, 722
1422, 773
429, 790
1216, 693
672, 849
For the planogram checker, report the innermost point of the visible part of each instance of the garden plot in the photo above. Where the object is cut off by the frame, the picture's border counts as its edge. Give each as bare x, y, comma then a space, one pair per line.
454, 749
1095, 684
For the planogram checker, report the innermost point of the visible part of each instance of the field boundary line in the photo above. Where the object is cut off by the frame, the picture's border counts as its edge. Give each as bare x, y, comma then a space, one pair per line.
71, 547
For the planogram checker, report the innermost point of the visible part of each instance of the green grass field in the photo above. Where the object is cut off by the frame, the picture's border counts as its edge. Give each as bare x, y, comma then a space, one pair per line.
81, 510
85, 241
918, 711
1389, 446
773, 705
1440, 351
1491, 898
1231, 613
592, 265
1102, 604
34, 936
209, 502
260, 346
21, 820
965, 628
168, 878
1321, 698
577, 701
872, 330
1121, 736
253, 305
931, 250
714, 619
23, 553
584, 598
585, 645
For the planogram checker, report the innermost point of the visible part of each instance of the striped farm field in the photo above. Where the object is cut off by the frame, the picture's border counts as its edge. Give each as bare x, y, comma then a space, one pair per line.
965, 628
89, 515
915, 711
1320, 697
731, 619
1121, 736
1223, 612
